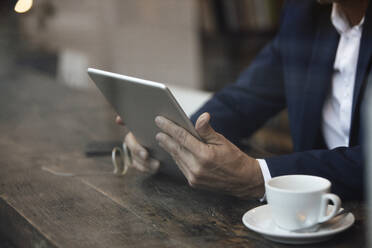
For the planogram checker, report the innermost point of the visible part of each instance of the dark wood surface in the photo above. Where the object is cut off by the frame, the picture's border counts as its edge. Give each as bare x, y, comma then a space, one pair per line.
45, 127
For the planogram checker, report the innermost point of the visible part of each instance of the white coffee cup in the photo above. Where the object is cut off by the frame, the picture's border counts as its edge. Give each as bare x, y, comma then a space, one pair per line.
300, 201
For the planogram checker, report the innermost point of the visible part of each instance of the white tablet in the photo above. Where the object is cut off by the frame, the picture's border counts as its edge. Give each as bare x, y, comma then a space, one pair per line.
138, 102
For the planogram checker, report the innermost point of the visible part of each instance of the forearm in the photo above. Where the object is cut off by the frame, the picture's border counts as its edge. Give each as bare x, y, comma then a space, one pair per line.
241, 108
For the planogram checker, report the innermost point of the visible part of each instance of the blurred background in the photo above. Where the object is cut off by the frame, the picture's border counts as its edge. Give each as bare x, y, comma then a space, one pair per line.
196, 44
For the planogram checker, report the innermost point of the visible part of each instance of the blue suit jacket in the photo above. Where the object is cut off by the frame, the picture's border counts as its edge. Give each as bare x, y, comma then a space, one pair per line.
295, 71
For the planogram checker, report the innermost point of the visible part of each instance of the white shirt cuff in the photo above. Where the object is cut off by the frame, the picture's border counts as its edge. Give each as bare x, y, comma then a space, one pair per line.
265, 173
264, 169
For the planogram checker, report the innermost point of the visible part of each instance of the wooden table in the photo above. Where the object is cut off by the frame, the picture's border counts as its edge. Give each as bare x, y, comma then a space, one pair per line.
45, 128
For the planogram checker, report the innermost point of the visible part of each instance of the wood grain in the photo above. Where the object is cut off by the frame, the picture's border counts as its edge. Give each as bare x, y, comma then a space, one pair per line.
44, 128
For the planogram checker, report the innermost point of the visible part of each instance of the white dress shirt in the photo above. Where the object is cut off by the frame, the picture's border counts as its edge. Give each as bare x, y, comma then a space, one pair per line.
336, 116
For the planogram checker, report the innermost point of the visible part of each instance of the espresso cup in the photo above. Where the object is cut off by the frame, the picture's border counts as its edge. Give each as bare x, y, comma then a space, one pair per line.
300, 201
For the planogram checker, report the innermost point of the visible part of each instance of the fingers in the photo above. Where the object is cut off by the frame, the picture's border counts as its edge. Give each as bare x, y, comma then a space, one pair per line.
205, 130
119, 121
150, 165
139, 166
172, 147
140, 157
135, 148
183, 137
153, 164
183, 158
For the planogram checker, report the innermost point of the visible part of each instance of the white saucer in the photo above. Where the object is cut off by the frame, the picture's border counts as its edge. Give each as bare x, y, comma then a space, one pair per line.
259, 220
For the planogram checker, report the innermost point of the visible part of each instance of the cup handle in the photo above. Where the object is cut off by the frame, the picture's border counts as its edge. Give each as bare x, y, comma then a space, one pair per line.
336, 207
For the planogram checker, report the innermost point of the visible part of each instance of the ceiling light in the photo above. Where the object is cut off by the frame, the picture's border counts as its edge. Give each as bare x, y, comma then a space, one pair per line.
22, 6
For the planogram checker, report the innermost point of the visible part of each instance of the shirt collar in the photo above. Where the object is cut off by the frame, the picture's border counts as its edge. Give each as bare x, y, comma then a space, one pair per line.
340, 21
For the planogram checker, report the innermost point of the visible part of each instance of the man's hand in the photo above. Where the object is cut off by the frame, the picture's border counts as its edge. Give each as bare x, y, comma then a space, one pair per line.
140, 157
216, 165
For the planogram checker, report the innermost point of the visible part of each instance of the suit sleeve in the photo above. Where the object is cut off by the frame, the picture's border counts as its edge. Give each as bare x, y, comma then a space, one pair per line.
241, 108
343, 166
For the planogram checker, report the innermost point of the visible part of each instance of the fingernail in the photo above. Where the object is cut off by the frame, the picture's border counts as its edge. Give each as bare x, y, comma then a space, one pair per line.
202, 120
158, 137
204, 117
158, 120
143, 154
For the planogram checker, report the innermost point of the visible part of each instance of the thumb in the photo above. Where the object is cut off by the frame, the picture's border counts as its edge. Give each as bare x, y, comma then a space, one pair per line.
205, 130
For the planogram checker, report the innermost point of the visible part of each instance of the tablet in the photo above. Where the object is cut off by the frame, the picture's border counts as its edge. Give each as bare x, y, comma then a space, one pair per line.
138, 102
